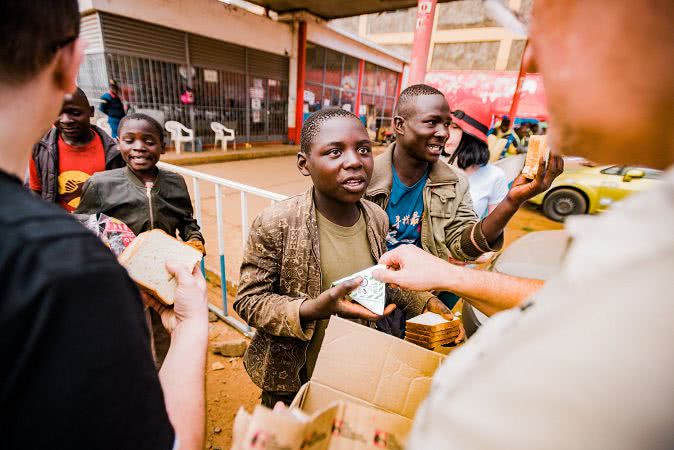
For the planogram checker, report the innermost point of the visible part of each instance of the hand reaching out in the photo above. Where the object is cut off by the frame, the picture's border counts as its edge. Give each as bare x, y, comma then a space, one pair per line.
333, 302
410, 267
524, 189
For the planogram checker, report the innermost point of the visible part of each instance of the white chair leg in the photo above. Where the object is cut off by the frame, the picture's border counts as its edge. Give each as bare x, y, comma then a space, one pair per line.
178, 146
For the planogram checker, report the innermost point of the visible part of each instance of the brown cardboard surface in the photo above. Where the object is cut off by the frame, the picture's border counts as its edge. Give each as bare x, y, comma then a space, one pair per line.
267, 429
377, 368
357, 425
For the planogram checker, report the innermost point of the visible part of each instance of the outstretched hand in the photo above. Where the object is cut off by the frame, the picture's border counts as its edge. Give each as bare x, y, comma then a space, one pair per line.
409, 267
334, 302
524, 189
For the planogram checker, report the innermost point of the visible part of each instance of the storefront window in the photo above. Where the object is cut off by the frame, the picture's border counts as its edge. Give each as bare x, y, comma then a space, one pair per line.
315, 63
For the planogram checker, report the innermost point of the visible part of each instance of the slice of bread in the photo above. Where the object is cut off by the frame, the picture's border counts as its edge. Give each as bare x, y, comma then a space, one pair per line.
146, 257
429, 322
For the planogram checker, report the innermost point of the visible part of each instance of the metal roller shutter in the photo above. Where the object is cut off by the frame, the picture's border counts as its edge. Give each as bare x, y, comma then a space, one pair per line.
210, 53
132, 37
267, 65
90, 30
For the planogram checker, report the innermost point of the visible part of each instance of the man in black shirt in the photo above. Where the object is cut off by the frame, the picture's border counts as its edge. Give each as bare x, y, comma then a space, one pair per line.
78, 370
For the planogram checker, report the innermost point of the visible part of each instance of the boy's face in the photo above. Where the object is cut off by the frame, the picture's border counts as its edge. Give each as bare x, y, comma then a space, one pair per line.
73, 120
423, 133
140, 145
340, 161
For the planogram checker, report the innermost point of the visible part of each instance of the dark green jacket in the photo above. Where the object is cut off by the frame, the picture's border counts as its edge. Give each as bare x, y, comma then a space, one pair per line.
120, 194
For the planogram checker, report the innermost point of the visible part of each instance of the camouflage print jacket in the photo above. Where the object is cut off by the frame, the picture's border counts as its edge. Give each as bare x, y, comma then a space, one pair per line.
449, 226
281, 268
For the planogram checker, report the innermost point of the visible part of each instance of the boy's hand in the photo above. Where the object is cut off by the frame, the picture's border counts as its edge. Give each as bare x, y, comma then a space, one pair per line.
333, 302
524, 189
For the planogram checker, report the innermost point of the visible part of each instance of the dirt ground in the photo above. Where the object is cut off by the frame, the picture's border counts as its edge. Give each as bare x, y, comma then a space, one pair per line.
230, 388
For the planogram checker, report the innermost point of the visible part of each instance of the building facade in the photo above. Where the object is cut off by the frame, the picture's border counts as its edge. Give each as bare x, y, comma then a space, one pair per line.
242, 69
463, 38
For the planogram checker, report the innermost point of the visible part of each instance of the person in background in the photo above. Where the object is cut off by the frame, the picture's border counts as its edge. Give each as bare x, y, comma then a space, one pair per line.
515, 140
144, 197
71, 152
113, 107
298, 247
467, 149
558, 368
428, 202
78, 372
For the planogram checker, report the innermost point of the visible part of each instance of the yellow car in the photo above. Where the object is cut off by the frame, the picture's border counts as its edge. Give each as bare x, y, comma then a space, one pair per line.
588, 190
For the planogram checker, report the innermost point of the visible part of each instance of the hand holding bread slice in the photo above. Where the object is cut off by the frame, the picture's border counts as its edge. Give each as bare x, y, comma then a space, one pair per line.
146, 257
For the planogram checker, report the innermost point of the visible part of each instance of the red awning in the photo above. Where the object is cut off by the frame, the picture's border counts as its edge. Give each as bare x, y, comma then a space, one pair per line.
492, 87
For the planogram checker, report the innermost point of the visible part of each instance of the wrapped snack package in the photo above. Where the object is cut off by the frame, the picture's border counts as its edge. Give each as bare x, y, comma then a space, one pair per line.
113, 232
371, 293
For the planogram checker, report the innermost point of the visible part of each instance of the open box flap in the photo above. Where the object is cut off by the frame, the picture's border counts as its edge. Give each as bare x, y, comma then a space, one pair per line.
373, 366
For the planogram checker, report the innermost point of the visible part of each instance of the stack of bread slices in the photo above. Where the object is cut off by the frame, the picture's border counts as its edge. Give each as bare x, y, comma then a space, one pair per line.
431, 330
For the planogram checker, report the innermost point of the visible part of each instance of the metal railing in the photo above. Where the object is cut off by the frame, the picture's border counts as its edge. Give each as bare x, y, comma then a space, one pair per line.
218, 184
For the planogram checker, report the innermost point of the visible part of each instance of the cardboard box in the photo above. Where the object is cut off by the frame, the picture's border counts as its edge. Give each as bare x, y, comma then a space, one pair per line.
369, 383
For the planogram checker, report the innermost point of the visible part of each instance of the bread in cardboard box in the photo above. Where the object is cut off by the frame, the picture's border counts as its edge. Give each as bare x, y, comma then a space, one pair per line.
146, 257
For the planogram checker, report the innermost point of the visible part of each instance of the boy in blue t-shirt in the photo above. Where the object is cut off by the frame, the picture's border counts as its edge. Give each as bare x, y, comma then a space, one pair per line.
404, 210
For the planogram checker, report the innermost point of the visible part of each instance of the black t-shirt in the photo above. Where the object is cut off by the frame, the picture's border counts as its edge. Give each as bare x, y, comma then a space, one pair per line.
77, 369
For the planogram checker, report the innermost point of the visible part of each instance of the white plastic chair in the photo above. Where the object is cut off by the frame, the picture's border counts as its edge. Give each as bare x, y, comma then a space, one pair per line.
176, 130
103, 124
223, 134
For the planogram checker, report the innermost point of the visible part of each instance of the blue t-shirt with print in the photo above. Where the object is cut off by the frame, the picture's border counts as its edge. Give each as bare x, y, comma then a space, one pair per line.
404, 210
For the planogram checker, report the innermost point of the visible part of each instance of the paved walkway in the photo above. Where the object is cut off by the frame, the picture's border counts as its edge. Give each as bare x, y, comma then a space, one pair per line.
213, 156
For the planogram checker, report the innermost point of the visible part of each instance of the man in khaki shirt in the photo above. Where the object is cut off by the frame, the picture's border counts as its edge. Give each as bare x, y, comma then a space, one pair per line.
584, 361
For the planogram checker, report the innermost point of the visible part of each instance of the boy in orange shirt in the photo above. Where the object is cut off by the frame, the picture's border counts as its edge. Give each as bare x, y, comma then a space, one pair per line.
70, 153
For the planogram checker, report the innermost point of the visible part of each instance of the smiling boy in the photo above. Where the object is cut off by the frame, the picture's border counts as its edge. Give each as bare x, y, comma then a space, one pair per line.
428, 202
298, 247
70, 153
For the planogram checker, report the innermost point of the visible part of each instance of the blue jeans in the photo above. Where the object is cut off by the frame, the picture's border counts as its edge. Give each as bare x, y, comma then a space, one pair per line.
114, 125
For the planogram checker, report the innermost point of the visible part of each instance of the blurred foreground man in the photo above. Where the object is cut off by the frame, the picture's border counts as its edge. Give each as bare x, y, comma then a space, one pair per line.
584, 362
78, 373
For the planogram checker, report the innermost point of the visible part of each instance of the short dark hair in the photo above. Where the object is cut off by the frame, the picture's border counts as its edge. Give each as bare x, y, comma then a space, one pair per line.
471, 151
34, 30
312, 126
149, 119
410, 93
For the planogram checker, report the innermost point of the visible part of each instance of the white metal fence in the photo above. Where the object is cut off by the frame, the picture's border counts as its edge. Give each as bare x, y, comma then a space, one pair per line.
198, 180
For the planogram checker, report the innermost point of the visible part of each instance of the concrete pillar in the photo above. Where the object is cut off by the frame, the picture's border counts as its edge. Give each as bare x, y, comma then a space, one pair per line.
292, 84
301, 74
422, 40
359, 87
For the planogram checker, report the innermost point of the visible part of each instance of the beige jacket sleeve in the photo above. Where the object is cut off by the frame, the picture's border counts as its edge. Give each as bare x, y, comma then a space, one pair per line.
257, 301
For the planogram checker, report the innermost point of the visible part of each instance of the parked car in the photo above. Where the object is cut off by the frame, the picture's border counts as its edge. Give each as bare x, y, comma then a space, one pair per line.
588, 190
